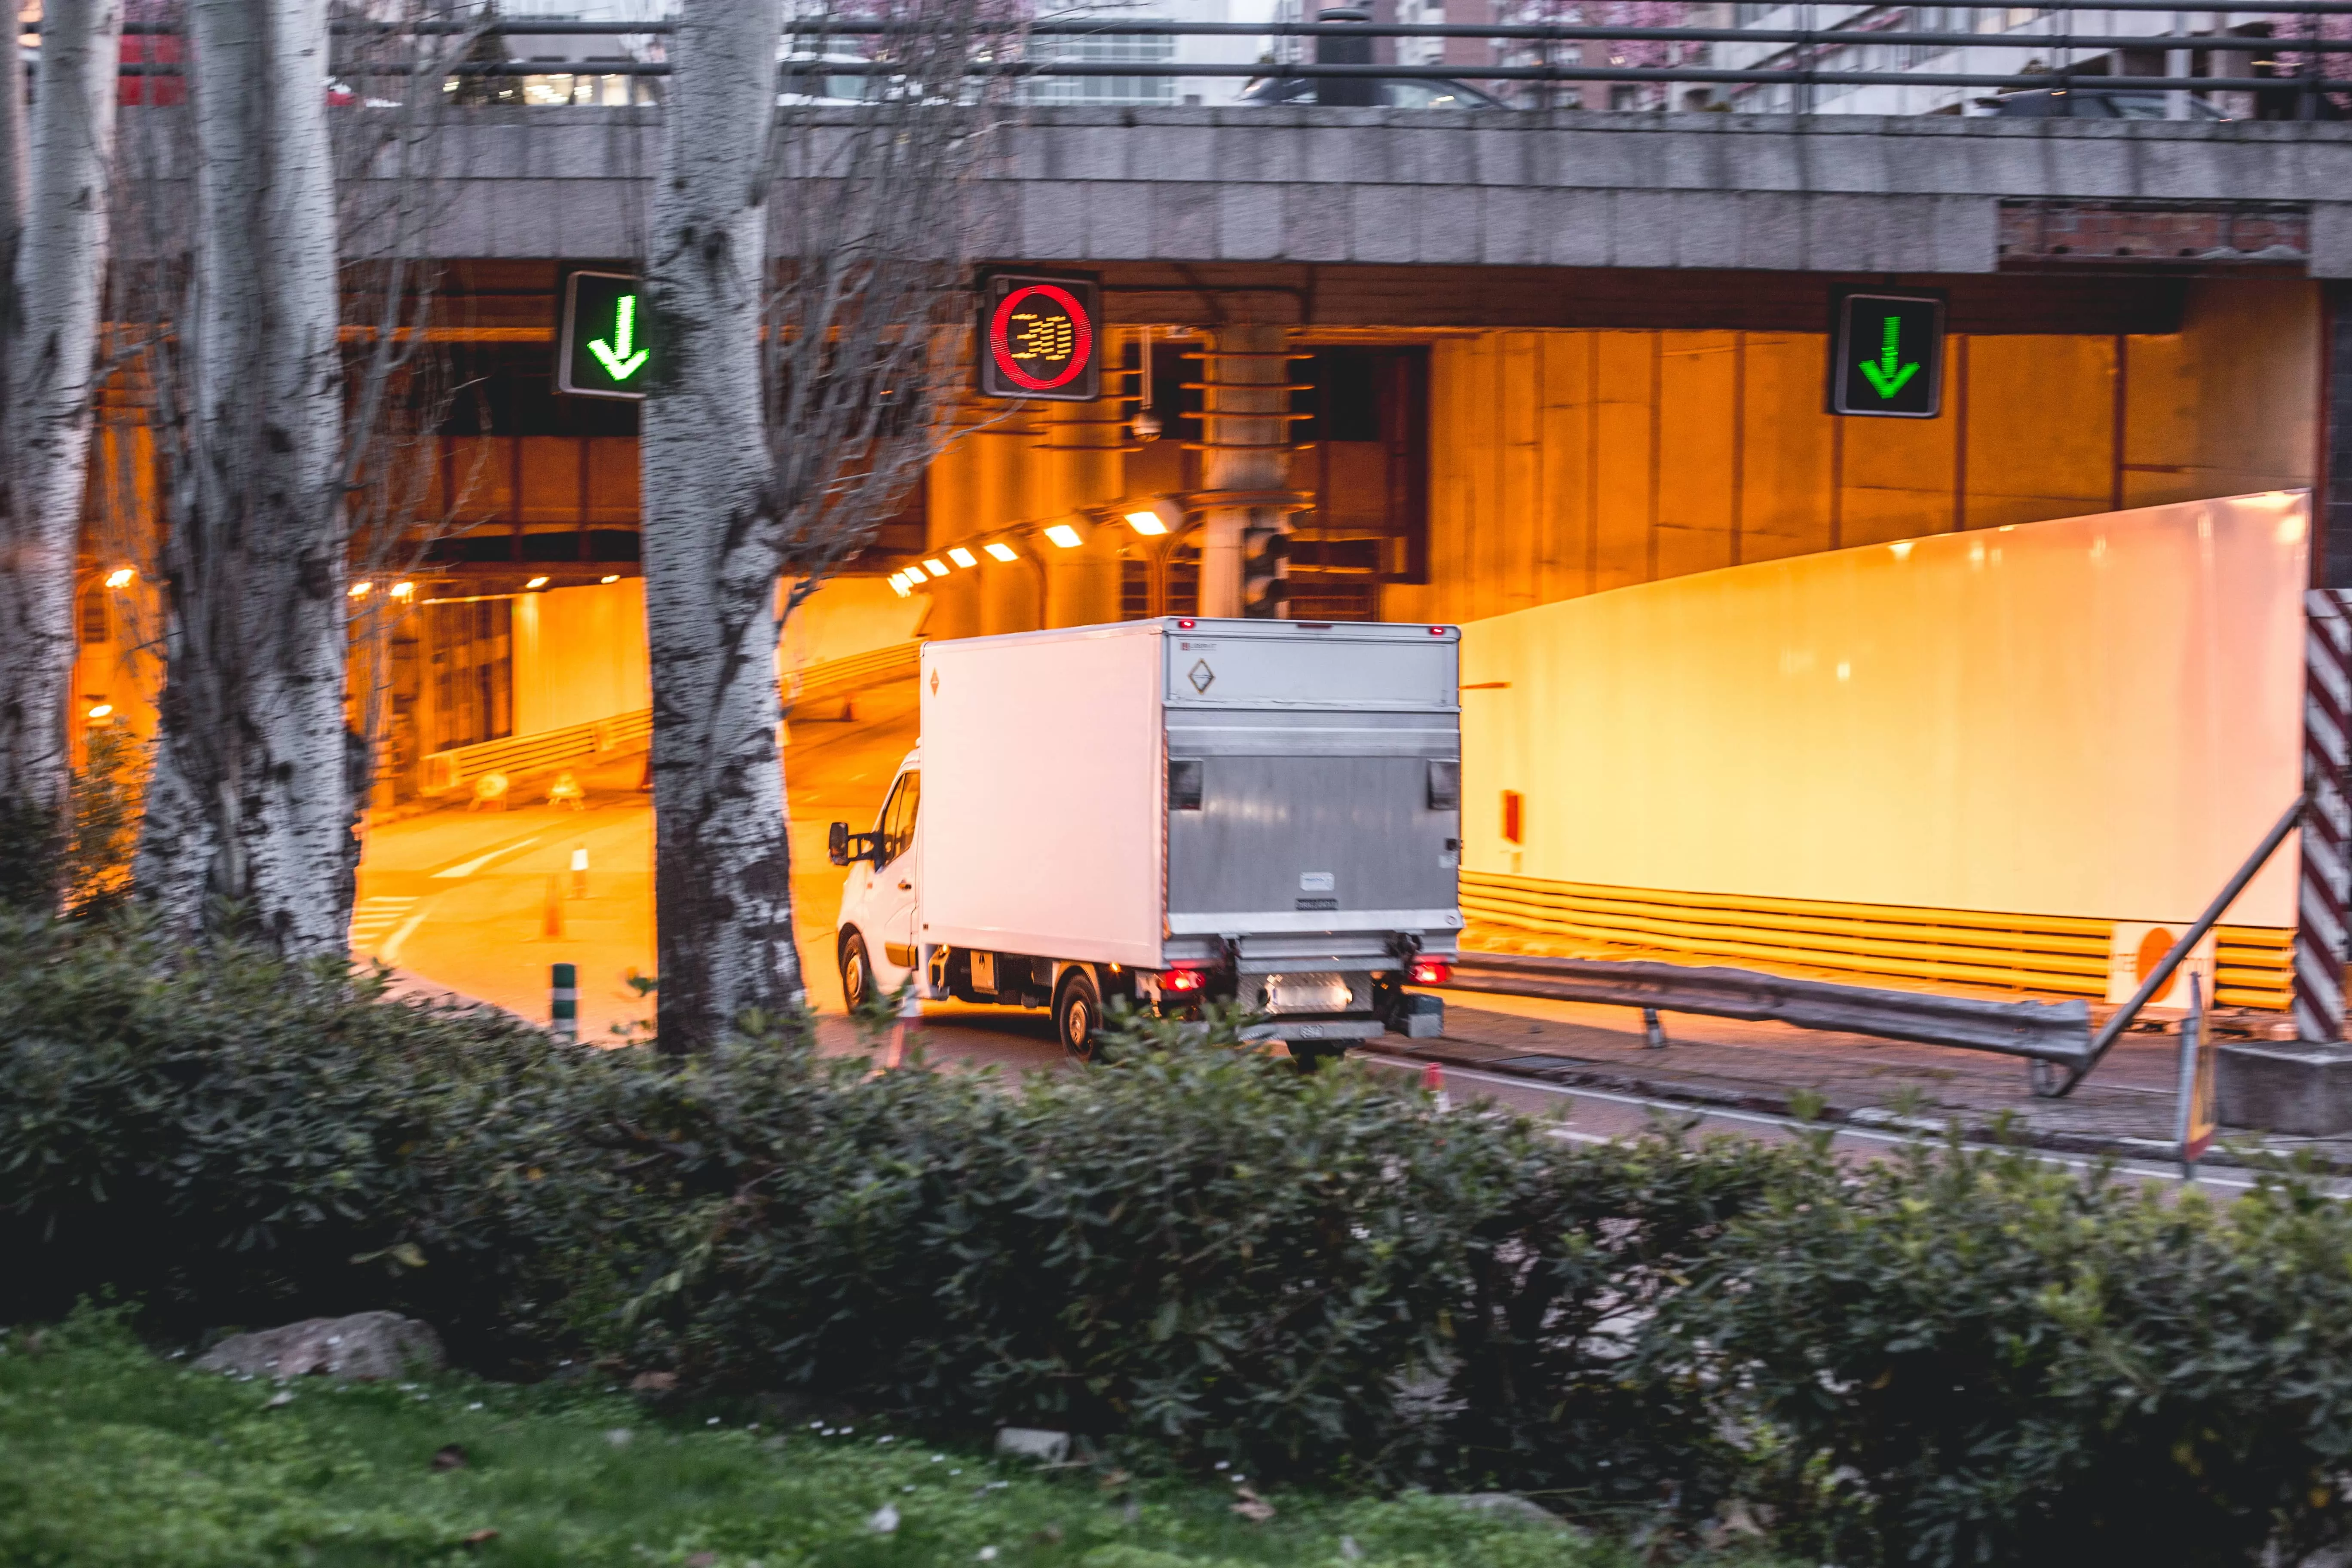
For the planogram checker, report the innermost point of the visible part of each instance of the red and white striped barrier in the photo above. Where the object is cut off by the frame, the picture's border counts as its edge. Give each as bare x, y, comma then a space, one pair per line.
2325, 887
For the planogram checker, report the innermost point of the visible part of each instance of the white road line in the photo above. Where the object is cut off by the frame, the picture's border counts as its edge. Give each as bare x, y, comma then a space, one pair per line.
468, 867
375, 916
2209, 1177
390, 952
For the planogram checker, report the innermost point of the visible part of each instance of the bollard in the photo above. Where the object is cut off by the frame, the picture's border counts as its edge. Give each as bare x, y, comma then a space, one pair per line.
563, 1000
580, 872
1653, 1036
551, 912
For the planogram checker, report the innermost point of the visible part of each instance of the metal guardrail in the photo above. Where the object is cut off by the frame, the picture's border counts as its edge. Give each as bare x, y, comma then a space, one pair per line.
2055, 1032
853, 672
2055, 1037
545, 749
1522, 52
541, 748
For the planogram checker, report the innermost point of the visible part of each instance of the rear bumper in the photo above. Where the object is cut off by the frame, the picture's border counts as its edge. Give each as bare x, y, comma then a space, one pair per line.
1314, 1029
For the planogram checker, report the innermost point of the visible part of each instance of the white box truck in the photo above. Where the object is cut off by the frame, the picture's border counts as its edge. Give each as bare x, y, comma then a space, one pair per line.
1172, 811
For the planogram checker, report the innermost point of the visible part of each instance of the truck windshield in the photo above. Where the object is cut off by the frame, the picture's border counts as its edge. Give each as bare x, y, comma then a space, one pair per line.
897, 824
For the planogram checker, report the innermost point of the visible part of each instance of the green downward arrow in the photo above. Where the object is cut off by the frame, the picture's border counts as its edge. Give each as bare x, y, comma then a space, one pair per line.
1883, 376
618, 361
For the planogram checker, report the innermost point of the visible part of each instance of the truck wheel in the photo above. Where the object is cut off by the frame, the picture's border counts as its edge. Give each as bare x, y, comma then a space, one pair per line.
856, 973
1078, 1013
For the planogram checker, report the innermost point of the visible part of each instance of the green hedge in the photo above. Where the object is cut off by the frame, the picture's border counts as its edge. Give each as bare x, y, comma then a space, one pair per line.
1943, 1357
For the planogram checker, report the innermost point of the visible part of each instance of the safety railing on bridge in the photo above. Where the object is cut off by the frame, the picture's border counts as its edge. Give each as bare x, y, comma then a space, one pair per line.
852, 672
538, 751
2278, 59
542, 751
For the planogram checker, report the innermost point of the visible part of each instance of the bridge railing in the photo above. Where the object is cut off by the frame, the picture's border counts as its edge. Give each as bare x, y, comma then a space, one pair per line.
2275, 59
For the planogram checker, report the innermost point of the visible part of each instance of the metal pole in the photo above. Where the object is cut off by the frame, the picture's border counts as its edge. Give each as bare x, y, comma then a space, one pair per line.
2192, 1036
2155, 981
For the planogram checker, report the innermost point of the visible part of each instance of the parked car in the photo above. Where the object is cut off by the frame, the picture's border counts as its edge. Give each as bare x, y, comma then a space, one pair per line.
2091, 103
1386, 92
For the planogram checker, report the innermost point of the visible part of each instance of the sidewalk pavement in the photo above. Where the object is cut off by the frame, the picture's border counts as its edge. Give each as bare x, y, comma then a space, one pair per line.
2126, 1107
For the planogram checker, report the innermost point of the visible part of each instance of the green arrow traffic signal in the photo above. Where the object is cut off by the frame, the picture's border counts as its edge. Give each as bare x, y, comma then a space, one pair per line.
621, 363
1884, 377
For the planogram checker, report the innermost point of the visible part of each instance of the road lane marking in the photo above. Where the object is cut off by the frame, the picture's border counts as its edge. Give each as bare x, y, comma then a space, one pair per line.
390, 952
375, 916
468, 867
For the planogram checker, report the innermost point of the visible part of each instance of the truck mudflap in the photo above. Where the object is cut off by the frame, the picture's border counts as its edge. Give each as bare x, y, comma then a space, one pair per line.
1365, 1028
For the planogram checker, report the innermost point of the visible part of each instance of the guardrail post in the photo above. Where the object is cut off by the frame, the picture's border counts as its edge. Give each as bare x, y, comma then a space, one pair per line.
1653, 1035
2194, 1121
563, 1000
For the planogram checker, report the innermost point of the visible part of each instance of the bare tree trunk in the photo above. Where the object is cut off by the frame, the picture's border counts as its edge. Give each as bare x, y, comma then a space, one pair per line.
251, 801
722, 871
53, 236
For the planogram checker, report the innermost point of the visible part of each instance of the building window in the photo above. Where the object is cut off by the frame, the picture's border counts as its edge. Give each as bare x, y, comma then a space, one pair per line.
1108, 89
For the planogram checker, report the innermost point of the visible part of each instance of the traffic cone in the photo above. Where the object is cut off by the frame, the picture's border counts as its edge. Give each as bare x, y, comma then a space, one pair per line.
1433, 1081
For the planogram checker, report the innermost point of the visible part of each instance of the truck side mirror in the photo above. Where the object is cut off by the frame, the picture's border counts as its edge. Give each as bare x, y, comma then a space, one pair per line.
844, 848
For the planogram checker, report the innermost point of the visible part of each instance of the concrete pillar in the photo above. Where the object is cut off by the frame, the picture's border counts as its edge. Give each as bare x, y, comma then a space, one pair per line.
1084, 463
1245, 469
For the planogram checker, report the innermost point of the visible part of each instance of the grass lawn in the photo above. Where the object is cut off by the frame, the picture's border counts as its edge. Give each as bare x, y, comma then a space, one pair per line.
110, 1456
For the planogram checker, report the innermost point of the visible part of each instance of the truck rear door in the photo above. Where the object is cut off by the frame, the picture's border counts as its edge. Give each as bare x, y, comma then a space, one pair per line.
1314, 779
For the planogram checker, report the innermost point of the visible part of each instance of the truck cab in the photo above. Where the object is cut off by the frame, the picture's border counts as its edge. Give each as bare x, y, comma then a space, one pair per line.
876, 946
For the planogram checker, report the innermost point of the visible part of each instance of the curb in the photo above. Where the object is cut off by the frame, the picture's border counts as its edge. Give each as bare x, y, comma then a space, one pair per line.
2016, 1134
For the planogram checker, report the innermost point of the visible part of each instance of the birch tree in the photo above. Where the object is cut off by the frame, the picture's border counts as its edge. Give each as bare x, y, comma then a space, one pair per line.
251, 798
290, 439
54, 208
760, 464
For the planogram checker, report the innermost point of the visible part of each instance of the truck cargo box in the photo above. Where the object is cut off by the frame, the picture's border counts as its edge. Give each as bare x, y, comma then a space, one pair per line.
1316, 769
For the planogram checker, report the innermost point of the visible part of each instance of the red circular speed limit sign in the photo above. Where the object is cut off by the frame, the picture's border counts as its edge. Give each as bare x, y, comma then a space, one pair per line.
1040, 337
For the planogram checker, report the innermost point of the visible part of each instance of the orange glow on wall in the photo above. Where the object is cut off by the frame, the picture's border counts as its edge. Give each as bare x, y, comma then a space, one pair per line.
2098, 716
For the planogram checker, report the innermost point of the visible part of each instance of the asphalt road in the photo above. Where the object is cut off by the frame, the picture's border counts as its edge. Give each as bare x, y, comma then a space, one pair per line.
483, 903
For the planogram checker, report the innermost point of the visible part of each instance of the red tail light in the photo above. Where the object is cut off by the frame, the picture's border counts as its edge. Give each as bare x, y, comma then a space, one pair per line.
1183, 979
1431, 972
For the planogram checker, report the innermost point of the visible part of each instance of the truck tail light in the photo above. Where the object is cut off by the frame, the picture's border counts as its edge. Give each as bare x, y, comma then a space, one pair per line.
1183, 979
1431, 972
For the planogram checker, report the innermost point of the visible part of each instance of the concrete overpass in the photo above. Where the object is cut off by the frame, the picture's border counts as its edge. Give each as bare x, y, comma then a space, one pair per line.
1372, 188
